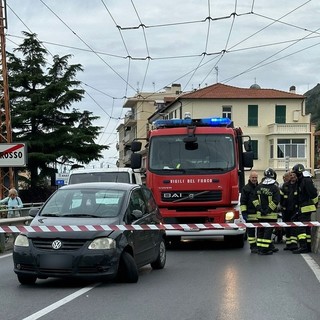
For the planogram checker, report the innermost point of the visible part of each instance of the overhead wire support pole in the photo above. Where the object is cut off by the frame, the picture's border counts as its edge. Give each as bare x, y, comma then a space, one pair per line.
6, 174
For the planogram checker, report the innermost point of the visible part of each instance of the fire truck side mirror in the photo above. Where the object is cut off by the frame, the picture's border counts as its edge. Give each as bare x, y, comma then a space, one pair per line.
136, 146
247, 159
247, 145
191, 146
136, 160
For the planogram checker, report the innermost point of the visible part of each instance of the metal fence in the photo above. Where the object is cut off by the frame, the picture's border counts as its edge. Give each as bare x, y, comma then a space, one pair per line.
23, 219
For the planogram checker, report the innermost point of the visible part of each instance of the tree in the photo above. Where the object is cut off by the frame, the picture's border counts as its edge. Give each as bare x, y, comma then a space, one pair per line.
41, 97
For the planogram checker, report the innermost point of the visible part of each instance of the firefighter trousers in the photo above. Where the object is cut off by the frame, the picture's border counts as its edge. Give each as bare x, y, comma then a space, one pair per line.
290, 232
264, 236
304, 233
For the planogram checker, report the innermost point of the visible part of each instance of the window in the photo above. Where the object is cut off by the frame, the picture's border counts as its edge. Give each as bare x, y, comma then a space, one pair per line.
137, 201
280, 114
151, 203
271, 142
252, 115
226, 112
293, 148
254, 145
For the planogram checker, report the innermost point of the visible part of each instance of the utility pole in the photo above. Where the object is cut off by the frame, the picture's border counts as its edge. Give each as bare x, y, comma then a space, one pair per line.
6, 174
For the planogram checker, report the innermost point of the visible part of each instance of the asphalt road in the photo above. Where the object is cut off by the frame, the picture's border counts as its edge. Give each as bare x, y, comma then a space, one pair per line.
201, 281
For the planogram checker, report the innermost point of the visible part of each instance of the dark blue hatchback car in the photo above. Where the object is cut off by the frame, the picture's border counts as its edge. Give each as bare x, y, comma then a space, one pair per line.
103, 254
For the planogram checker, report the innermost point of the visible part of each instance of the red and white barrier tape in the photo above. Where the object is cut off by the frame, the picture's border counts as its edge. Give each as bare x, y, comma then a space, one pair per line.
186, 227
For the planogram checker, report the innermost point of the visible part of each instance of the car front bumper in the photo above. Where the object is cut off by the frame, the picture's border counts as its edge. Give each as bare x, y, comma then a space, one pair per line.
205, 232
87, 264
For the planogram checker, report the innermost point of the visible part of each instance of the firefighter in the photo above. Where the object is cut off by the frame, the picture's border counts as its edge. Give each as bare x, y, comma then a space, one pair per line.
248, 210
266, 202
289, 209
307, 204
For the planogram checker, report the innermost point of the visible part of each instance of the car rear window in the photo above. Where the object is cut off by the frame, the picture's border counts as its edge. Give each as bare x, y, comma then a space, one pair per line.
99, 177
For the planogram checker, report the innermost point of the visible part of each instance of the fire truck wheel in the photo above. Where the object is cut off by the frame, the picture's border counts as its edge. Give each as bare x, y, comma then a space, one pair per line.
235, 241
173, 241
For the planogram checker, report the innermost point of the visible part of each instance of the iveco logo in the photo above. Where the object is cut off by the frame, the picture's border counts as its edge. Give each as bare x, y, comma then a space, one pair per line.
172, 195
56, 244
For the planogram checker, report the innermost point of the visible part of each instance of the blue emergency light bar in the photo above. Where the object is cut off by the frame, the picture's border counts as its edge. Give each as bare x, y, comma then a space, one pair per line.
205, 122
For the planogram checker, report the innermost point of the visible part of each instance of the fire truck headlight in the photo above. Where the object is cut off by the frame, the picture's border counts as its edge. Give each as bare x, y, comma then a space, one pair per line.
229, 216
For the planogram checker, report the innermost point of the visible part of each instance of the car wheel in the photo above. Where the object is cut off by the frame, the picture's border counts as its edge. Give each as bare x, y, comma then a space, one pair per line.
23, 279
160, 262
128, 271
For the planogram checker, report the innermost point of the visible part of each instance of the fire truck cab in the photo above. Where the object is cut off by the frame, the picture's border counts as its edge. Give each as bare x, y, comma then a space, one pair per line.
195, 169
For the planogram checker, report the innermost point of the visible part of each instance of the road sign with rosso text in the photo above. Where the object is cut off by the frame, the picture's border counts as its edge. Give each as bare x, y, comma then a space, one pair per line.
13, 155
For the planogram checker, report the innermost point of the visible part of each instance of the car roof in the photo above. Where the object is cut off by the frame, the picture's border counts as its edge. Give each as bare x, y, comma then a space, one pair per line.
83, 170
102, 185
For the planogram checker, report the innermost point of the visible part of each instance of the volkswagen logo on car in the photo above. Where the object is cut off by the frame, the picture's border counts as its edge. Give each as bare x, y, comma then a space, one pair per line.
56, 244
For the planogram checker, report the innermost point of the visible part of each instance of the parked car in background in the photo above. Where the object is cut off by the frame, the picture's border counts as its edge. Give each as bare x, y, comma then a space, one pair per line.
87, 254
126, 175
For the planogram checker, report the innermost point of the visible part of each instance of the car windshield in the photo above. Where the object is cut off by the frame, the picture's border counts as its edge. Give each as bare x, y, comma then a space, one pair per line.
98, 203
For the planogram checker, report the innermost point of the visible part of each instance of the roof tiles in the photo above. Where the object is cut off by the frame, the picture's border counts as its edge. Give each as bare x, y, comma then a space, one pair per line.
222, 91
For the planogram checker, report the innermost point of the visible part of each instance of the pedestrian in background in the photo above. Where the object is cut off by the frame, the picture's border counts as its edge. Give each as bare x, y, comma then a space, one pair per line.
289, 209
266, 203
248, 210
13, 203
286, 178
307, 204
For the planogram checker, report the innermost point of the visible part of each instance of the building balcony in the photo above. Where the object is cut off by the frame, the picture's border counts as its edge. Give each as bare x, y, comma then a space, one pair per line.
288, 128
129, 138
129, 120
286, 164
127, 158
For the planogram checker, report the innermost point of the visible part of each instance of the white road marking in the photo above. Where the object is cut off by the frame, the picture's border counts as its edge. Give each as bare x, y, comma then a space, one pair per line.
61, 302
312, 264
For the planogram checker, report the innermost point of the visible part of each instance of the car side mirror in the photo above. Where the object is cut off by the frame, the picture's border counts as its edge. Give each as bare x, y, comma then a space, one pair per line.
137, 214
33, 212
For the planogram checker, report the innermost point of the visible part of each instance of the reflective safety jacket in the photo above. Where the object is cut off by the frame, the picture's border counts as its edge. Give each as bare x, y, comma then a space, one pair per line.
289, 198
267, 199
247, 208
307, 195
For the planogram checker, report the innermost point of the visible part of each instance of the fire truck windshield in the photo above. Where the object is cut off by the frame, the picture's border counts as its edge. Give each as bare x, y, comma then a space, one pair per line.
210, 151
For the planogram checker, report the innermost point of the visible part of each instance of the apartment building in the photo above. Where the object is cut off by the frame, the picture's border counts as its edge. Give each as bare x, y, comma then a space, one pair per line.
135, 125
282, 134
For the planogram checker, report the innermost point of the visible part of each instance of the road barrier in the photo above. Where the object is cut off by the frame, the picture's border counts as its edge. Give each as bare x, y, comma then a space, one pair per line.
185, 227
10, 222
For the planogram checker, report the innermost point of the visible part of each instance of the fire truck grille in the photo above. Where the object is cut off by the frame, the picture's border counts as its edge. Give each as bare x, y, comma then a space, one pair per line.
191, 196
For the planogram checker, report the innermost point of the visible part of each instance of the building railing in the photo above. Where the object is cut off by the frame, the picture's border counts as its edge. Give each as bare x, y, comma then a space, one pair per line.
289, 128
23, 219
284, 164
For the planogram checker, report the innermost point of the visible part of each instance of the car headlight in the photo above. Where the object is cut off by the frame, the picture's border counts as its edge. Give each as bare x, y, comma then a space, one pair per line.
229, 215
102, 243
21, 241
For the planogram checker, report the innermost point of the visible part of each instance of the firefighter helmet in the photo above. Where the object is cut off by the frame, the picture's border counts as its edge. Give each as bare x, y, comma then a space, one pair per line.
270, 173
298, 169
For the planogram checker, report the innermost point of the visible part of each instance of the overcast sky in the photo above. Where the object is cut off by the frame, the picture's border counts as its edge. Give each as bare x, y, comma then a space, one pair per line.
145, 45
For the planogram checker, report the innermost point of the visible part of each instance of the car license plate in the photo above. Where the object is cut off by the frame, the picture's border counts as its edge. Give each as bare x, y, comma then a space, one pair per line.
55, 261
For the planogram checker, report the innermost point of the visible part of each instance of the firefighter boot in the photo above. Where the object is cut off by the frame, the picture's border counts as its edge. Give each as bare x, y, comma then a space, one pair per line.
265, 251
273, 248
254, 248
303, 247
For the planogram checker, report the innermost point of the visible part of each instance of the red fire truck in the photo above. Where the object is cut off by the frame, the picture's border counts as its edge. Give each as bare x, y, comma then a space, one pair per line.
195, 169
